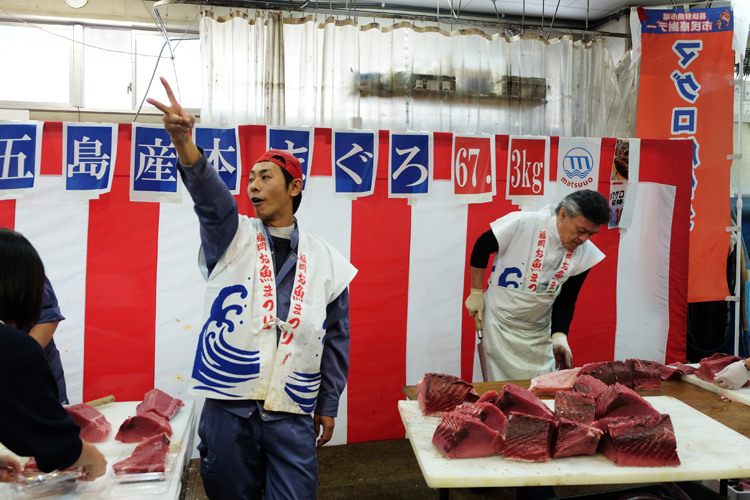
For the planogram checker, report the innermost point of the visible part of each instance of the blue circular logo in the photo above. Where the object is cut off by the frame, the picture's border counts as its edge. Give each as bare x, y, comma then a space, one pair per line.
578, 163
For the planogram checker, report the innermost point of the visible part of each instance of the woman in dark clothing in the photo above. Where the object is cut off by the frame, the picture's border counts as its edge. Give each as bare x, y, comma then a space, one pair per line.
32, 422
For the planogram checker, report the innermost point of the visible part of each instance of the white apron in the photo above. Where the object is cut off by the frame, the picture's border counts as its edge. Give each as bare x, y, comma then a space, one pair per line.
529, 268
238, 356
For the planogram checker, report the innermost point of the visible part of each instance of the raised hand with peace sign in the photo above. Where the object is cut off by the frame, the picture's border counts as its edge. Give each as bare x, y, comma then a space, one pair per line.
179, 124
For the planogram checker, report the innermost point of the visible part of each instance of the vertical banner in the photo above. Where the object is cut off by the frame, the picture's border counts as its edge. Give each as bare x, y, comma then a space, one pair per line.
528, 169
222, 148
89, 154
20, 157
297, 141
577, 164
355, 161
473, 172
153, 166
685, 93
409, 165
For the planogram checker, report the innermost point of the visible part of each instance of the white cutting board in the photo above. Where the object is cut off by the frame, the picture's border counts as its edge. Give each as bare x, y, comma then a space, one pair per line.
183, 428
707, 450
741, 395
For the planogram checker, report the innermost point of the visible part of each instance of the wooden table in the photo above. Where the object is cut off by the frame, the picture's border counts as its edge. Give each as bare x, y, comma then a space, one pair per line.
734, 415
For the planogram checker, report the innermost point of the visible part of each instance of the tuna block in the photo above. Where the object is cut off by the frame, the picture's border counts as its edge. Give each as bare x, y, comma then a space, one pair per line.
712, 365
159, 402
550, 383
136, 429
609, 372
516, 398
587, 384
675, 371
639, 441
575, 438
438, 393
462, 436
619, 401
93, 423
488, 397
575, 406
487, 413
148, 456
529, 438
646, 374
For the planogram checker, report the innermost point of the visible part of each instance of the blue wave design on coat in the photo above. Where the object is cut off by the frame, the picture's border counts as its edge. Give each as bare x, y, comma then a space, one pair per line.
303, 389
218, 365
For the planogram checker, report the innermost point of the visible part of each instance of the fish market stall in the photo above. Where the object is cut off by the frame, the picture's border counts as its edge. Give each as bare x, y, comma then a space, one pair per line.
713, 436
166, 485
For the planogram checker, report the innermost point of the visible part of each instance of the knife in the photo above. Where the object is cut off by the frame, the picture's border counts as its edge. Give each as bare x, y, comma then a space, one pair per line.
101, 401
480, 348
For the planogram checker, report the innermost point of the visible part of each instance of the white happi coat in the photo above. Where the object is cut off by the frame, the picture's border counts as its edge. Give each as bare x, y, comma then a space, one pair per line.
529, 268
238, 356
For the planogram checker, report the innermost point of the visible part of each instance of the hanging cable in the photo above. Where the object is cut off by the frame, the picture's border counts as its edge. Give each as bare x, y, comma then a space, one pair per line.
150, 82
553, 18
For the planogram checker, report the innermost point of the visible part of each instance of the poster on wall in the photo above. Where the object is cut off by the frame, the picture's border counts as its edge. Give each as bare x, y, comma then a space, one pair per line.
298, 141
153, 166
222, 148
20, 157
577, 164
410, 165
687, 66
355, 161
528, 170
89, 154
473, 171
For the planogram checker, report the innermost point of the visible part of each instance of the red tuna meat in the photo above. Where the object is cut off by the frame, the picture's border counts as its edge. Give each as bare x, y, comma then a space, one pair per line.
575, 406
486, 413
646, 374
516, 398
710, 366
587, 384
529, 438
550, 383
159, 402
647, 441
609, 372
488, 397
148, 456
575, 438
462, 436
438, 393
620, 401
93, 424
145, 425
675, 371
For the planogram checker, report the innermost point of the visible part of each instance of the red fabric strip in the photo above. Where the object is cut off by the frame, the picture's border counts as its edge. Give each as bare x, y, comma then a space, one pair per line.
594, 326
381, 233
8, 214
120, 289
670, 162
52, 149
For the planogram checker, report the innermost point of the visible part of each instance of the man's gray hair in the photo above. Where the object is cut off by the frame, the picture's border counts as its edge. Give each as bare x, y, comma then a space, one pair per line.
590, 204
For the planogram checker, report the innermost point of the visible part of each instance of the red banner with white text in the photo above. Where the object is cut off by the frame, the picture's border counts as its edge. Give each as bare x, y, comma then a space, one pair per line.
685, 93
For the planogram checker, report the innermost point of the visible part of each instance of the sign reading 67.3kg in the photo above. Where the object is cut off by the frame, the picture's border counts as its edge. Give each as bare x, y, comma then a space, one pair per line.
527, 167
473, 172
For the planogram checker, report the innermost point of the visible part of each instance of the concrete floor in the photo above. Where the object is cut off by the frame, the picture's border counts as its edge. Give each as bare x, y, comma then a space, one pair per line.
382, 470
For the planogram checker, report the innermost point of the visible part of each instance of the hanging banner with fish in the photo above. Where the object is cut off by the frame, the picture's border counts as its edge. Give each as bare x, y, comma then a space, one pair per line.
685, 92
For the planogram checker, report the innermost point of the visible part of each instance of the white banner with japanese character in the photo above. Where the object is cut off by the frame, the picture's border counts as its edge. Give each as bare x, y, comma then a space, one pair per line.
89, 154
153, 166
20, 157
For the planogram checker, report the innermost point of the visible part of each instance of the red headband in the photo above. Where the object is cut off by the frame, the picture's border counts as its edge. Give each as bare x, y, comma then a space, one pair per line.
290, 162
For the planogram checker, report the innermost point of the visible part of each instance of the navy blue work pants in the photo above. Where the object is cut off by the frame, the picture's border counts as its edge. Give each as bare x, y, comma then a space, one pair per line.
243, 457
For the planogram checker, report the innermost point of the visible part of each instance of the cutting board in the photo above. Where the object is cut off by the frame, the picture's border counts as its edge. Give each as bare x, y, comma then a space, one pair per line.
741, 395
707, 450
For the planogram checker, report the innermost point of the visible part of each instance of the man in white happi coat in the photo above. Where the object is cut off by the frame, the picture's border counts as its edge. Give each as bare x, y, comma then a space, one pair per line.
541, 261
273, 355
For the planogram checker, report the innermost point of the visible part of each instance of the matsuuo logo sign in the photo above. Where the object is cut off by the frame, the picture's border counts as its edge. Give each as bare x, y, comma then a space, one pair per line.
577, 164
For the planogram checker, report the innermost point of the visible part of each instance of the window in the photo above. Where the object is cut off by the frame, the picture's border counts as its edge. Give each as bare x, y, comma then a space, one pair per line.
107, 71
37, 63
183, 75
